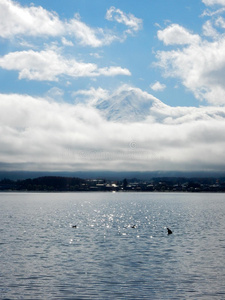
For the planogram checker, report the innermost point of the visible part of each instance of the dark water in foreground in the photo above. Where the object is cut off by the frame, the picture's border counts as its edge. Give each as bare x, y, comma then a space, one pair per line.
43, 257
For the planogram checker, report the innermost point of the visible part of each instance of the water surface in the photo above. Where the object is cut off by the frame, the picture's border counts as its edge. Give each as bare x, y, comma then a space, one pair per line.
43, 257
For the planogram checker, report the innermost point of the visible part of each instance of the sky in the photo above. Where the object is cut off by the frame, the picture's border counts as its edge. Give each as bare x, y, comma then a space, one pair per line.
59, 58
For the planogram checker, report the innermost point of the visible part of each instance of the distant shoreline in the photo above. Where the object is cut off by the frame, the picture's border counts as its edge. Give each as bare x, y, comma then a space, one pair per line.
106, 192
58, 184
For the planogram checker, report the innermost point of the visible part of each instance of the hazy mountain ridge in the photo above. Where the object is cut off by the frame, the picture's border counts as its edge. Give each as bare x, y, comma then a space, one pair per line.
111, 175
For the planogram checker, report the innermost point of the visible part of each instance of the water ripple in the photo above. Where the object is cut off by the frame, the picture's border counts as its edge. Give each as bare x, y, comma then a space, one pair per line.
119, 250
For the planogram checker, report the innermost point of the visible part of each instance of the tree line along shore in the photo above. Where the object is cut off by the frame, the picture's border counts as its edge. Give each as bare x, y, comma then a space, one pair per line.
73, 184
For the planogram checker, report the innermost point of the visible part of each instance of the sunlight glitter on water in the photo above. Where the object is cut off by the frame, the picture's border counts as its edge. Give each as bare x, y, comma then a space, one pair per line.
119, 250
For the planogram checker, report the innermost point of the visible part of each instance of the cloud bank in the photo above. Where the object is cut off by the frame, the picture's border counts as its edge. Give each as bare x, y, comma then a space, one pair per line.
41, 134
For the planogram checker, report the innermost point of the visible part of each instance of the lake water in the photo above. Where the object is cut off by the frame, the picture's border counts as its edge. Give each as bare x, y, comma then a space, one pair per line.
43, 257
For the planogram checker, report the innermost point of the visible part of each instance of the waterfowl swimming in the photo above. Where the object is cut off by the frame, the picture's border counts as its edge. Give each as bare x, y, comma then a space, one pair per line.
169, 231
74, 226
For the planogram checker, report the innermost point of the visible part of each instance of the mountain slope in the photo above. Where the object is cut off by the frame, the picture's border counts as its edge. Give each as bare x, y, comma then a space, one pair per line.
128, 105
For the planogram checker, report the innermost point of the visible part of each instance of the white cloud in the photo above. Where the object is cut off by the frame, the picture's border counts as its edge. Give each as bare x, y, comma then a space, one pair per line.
96, 55
92, 95
134, 24
37, 134
67, 42
85, 34
213, 2
36, 21
210, 13
220, 22
18, 20
200, 66
157, 86
114, 71
176, 34
33, 21
55, 93
209, 30
50, 65
44, 65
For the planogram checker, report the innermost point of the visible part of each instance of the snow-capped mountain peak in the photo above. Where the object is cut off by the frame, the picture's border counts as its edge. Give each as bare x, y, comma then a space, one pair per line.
128, 105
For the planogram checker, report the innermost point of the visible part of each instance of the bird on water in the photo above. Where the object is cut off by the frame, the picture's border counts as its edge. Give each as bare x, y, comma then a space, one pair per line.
169, 231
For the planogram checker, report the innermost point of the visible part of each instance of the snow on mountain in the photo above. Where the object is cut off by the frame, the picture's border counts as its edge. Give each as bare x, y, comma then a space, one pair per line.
128, 105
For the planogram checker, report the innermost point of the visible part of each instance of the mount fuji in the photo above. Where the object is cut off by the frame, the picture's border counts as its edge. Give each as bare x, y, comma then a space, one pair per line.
129, 105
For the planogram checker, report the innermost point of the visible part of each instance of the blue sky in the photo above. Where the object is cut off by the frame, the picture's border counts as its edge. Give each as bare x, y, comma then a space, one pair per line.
136, 52
56, 54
